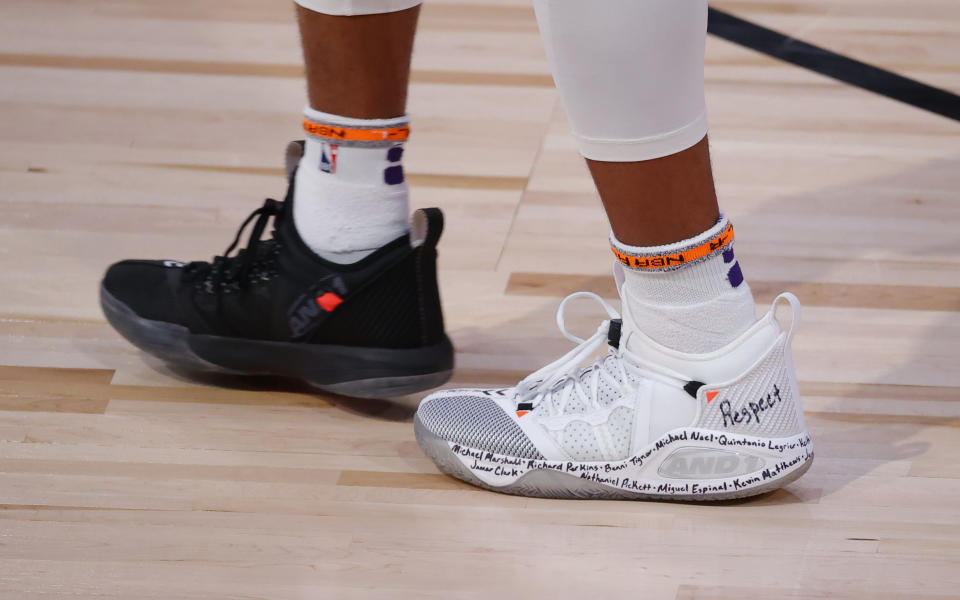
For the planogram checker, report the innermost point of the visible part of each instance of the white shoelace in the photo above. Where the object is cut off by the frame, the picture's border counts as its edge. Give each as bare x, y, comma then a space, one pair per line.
564, 379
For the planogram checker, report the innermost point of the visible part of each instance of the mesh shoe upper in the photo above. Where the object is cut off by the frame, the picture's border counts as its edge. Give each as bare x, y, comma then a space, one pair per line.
148, 285
471, 418
624, 400
277, 289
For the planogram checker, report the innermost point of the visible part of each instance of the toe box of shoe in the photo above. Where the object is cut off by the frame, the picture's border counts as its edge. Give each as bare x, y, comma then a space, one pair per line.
473, 419
148, 287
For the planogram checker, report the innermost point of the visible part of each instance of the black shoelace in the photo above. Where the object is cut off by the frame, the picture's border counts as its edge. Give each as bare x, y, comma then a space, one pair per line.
234, 271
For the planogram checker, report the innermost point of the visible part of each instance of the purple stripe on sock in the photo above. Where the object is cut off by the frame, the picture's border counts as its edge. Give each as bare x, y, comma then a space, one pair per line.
728, 255
395, 154
735, 275
393, 175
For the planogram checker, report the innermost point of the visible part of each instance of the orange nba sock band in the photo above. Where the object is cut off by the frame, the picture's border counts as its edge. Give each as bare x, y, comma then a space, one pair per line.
673, 256
356, 133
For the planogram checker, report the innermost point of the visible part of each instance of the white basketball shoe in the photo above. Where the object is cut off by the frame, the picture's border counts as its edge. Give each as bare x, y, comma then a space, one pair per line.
642, 422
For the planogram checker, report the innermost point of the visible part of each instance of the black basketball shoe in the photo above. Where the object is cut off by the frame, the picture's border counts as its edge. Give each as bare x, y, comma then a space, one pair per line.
373, 328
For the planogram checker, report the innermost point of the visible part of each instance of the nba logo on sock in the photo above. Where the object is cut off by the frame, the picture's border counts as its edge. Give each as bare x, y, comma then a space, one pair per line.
328, 158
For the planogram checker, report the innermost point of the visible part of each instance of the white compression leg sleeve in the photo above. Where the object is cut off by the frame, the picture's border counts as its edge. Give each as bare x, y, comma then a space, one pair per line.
630, 73
349, 8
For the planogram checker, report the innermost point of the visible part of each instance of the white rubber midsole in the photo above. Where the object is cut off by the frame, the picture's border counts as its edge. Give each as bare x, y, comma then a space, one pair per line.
683, 462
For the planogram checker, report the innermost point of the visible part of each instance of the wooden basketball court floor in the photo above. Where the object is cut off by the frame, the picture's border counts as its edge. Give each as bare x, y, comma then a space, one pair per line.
131, 128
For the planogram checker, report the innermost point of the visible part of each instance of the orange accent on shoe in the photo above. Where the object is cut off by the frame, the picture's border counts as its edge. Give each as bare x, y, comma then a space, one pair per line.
348, 134
666, 261
520, 413
329, 301
711, 395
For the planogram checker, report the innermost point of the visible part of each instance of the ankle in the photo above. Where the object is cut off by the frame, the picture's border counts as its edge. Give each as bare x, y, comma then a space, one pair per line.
689, 295
350, 194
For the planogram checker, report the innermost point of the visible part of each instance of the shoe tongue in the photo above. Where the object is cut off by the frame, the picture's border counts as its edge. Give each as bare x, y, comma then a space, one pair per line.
294, 152
643, 350
627, 324
292, 156
635, 344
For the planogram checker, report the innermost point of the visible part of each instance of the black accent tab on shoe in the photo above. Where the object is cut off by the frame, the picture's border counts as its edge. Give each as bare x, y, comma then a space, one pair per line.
692, 387
525, 406
613, 332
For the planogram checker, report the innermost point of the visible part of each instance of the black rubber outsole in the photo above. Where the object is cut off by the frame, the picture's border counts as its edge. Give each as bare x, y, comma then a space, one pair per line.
346, 370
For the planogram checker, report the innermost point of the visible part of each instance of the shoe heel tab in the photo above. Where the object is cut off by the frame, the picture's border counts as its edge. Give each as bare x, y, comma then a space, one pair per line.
795, 312
425, 227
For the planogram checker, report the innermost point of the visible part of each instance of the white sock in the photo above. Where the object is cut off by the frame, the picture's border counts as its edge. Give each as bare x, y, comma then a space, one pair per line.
690, 295
350, 194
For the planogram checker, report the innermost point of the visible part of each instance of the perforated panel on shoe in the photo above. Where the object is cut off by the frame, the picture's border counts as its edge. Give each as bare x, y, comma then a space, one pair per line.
476, 422
605, 441
608, 393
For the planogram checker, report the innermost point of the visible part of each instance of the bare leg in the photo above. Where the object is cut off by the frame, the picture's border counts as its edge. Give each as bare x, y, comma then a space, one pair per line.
658, 201
358, 66
631, 78
351, 195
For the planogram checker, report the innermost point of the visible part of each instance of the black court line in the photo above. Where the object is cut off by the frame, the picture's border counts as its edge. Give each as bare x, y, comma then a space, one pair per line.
839, 67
